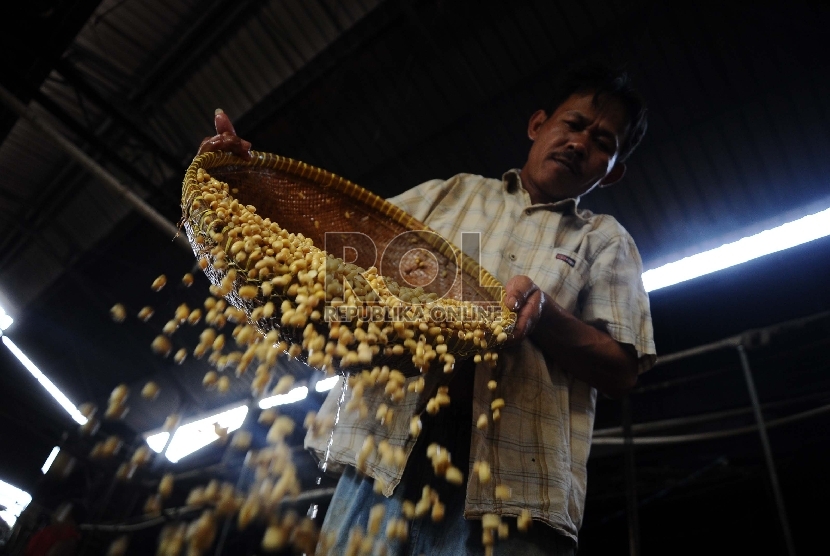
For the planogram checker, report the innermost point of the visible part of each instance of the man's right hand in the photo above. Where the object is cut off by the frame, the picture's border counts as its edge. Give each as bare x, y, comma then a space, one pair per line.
226, 139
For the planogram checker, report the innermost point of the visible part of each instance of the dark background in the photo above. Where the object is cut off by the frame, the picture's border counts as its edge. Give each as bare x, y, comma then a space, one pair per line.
392, 93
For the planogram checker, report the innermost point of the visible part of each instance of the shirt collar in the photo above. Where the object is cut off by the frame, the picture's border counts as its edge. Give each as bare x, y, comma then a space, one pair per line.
513, 184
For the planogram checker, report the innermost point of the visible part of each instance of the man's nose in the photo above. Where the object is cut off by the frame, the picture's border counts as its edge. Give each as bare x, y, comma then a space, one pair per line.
576, 146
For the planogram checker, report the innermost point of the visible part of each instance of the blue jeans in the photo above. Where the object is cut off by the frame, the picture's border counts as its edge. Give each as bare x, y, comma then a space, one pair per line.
454, 535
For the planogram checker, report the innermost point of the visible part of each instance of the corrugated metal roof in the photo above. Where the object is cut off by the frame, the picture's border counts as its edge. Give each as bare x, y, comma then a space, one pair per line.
117, 51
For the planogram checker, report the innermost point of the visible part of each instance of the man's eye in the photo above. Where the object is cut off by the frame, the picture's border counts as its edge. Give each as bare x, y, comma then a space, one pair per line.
604, 145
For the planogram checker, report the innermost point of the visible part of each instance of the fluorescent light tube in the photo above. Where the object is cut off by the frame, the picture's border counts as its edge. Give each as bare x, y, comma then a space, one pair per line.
45, 382
15, 501
769, 241
326, 384
295, 395
5, 320
157, 441
48, 463
198, 434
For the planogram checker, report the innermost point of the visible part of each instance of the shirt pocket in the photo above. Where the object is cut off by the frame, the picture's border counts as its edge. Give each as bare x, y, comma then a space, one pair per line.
562, 274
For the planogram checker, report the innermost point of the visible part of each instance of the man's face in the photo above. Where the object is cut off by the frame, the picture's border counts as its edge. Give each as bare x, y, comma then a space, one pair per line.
575, 148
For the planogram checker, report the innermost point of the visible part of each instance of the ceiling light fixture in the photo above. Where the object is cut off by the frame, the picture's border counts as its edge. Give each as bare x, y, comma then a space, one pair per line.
45, 382
326, 384
158, 441
48, 463
198, 434
14, 502
5, 319
295, 395
769, 241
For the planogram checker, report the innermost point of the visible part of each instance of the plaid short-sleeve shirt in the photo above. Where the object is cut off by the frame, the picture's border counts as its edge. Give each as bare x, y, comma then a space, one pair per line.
539, 448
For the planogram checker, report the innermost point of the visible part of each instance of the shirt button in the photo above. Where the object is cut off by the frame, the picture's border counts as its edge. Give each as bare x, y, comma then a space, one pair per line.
512, 257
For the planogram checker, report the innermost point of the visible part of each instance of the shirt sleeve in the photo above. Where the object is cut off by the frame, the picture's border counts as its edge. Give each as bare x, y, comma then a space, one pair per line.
420, 201
616, 301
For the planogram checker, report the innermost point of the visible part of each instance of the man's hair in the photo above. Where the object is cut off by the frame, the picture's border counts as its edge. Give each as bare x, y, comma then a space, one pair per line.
605, 80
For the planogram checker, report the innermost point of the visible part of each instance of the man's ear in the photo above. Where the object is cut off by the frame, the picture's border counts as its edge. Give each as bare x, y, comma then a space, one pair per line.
536, 120
615, 175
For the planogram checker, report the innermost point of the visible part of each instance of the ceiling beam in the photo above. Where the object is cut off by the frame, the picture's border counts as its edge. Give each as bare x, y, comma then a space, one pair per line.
98, 144
341, 48
358, 35
96, 170
40, 209
36, 37
75, 78
198, 41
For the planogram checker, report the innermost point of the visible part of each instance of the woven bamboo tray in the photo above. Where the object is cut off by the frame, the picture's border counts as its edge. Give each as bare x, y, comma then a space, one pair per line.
310, 201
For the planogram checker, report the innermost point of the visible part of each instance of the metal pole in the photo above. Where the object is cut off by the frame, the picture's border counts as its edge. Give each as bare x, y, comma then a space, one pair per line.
734, 341
160, 461
632, 511
762, 432
94, 168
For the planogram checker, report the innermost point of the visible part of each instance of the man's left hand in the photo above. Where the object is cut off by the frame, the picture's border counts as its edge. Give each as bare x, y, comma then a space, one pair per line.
523, 297
586, 352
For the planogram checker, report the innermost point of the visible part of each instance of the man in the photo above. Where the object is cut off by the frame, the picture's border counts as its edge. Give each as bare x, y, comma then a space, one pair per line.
61, 536
583, 326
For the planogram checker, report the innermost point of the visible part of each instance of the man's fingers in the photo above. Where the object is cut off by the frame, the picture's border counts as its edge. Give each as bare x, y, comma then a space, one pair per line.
226, 143
517, 290
524, 297
528, 315
226, 139
223, 124
202, 145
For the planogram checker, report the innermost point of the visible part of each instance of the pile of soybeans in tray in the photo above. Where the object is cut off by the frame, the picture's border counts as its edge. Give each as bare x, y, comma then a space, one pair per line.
332, 314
